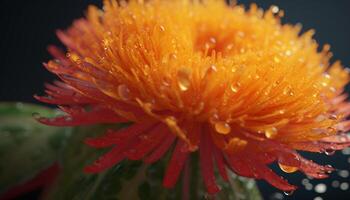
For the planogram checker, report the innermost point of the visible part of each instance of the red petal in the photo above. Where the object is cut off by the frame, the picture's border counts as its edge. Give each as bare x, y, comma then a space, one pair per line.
161, 150
220, 162
107, 160
206, 164
272, 178
175, 165
146, 145
113, 137
314, 170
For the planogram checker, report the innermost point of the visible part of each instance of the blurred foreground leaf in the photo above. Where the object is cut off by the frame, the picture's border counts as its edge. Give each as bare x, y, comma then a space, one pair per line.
26, 146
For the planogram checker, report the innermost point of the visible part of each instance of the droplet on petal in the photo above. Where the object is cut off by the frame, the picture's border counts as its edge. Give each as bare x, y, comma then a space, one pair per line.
234, 87
287, 169
271, 132
123, 92
222, 128
288, 193
183, 76
329, 152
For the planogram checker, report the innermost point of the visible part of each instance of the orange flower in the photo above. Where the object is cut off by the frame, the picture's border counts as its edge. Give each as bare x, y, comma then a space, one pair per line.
235, 85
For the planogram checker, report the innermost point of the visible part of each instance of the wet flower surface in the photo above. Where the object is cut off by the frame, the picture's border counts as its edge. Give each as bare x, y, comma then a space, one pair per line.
233, 84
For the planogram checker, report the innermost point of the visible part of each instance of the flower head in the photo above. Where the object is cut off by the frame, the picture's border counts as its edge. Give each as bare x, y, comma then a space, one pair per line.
235, 85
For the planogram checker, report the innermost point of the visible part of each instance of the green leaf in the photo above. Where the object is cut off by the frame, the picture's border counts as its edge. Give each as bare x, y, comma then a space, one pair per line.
26, 146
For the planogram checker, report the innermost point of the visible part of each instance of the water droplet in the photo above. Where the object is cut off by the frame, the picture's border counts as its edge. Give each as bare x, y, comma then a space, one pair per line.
275, 9
271, 132
161, 28
240, 34
288, 53
74, 57
335, 184
309, 186
333, 117
183, 76
318, 198
277, 196
331, 130
305, 181
229, 47
320, 118
329, 152
68, 118
346, 151
288, 91
320, 188
287, 169
288, 193
212, 40
222, 127
234, 87
199, 108
344, 186
281, 112
123, 92
343, 173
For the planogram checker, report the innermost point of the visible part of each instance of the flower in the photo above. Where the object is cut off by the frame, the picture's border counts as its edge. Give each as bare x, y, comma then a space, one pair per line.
235, 85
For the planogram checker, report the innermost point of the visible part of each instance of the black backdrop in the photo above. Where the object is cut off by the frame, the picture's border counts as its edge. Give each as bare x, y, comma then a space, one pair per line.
27, 27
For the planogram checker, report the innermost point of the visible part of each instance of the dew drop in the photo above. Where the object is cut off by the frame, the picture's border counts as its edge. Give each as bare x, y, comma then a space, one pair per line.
305, 181
222, 128
234, 87
308, 186
271, 132
275, 9
229, 47
320, 188
335, 184
212, 40
343, 173
346, 151
331, 130
68, 118
287, 169
329, 152
183, 76
288, 53
320, 118
344, 186
161, 28
318, 198
123, 92
333, 117
74, 57
288, 91
277, 196
288, 193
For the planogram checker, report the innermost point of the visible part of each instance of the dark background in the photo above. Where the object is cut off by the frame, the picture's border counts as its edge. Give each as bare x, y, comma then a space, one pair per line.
27, 27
